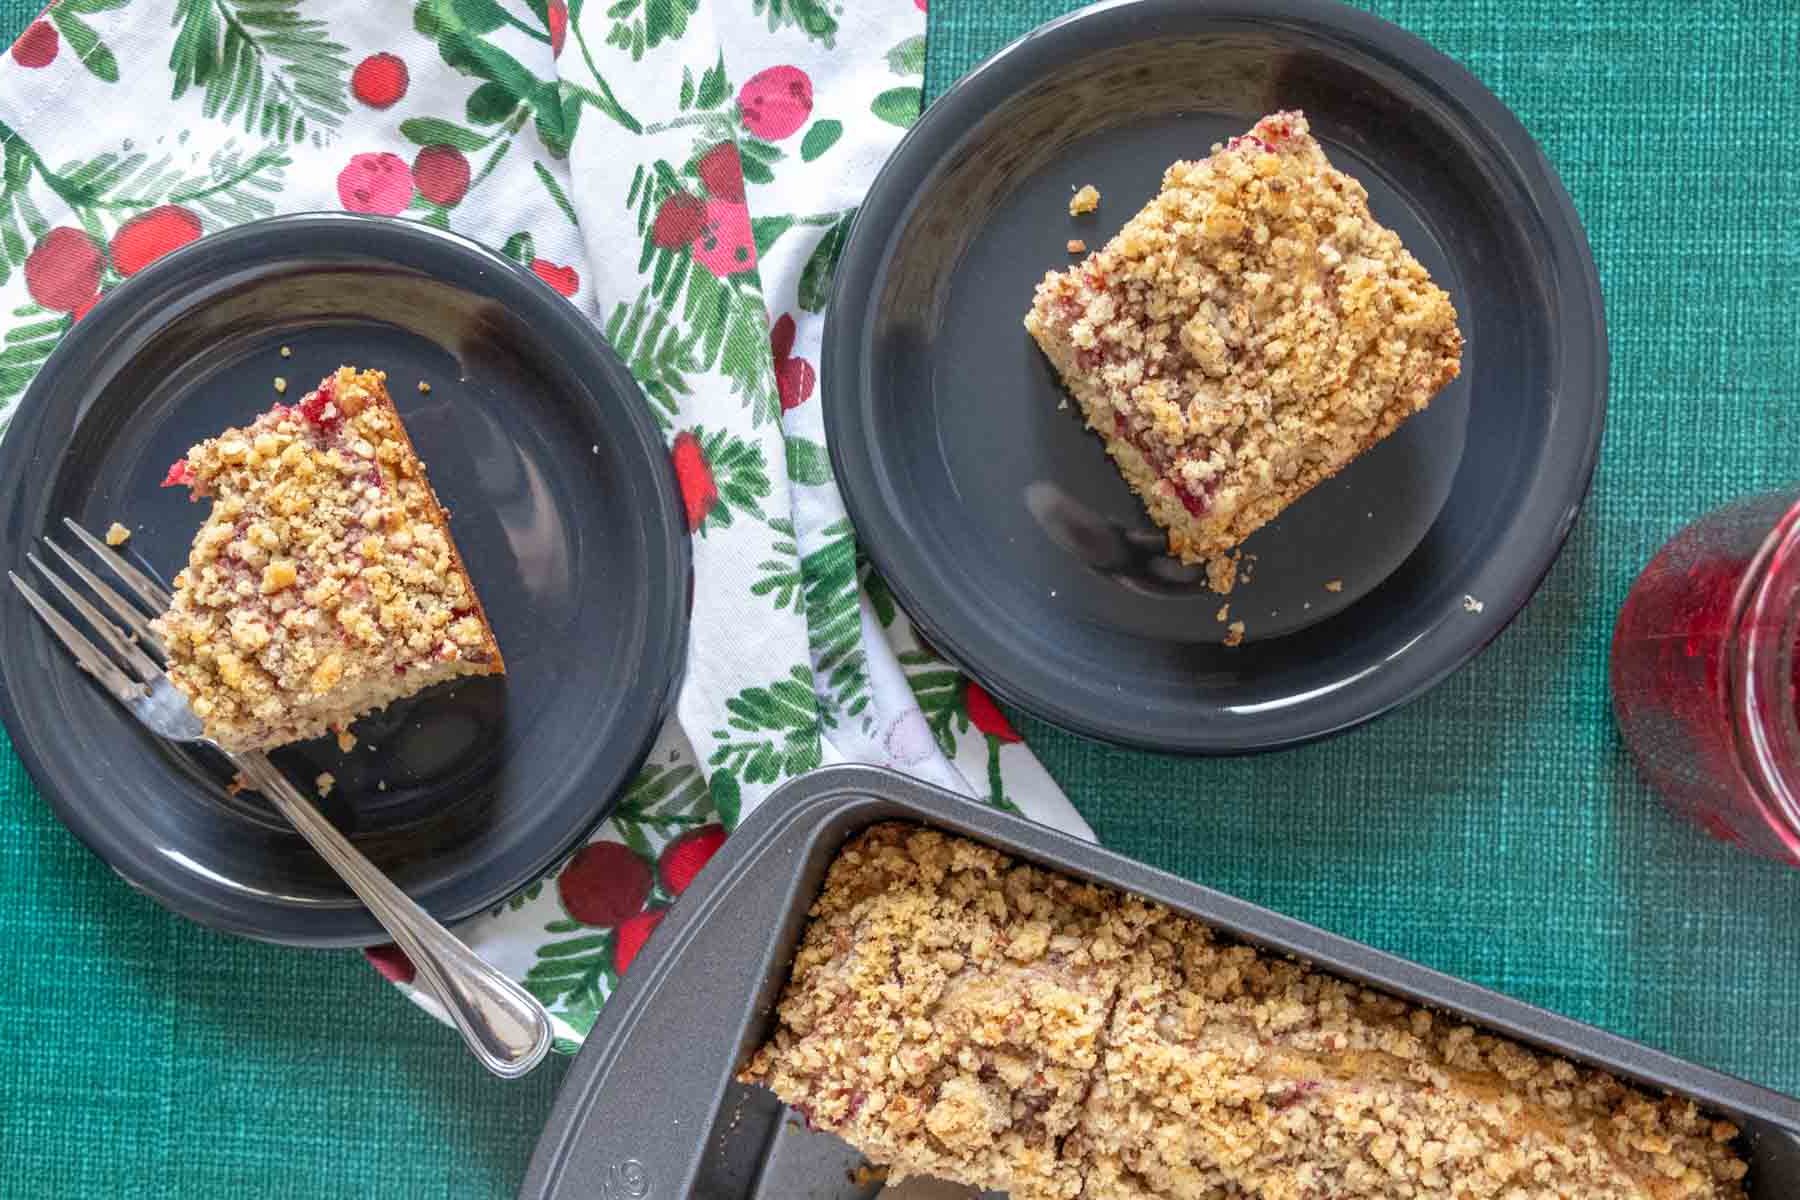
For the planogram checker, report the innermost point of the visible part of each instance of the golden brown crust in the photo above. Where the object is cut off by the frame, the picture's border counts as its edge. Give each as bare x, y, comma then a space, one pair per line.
1247, 334
490, 648
957, 1014
324, 582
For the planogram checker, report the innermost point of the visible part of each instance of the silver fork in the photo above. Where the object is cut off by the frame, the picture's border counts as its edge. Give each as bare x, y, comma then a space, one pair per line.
504, 1025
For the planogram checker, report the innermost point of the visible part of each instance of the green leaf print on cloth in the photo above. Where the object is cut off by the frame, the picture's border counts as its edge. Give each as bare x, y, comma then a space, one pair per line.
685, 173
261, 63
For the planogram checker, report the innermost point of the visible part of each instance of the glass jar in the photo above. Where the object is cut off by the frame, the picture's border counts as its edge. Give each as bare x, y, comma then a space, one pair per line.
1703, 674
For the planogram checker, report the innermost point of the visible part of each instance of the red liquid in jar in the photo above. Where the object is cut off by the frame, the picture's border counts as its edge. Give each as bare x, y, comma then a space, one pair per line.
1717, 598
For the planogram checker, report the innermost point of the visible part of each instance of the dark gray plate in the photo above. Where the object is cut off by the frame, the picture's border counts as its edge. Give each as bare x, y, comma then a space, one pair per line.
562, 500
997, 517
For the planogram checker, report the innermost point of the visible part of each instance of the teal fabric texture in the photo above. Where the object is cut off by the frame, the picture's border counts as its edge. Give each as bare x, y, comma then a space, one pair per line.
1493, 829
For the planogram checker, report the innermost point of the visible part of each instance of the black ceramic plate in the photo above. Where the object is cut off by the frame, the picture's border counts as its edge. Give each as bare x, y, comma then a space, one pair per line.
561, 499
997, 517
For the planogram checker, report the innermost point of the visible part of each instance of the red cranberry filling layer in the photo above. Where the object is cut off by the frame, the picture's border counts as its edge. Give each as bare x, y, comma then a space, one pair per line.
1197, 505
180, 474
319, 406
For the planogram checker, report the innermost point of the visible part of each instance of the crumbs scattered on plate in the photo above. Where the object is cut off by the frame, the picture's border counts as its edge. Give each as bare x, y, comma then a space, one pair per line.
325, 782
280, 385
286, 352
1077, 246
346, 741
1084, 201
1471, 604
1335, 585
1234, 633
424, 388
868, 1175
117, 534
1222, 573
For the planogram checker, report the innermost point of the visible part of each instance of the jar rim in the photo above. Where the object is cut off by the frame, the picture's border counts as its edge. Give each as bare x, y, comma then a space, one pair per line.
1760, 679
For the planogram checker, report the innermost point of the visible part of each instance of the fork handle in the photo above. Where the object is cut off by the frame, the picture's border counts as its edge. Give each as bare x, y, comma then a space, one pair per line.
504, 1025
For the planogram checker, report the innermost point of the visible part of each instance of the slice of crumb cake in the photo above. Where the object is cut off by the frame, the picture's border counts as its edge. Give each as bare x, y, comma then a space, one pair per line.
324, 583
1246, 335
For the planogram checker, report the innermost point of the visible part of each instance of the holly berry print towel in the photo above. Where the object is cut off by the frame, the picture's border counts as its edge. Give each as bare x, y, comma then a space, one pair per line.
685, 172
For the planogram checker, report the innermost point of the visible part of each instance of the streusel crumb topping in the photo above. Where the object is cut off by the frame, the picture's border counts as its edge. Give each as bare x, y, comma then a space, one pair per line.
957, 1014
324, 582
1248, 333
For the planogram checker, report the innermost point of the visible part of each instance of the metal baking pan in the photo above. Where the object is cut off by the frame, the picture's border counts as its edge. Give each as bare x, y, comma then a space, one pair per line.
650, 1111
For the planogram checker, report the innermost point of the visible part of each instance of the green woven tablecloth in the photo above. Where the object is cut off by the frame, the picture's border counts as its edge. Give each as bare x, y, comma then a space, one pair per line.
1493, 829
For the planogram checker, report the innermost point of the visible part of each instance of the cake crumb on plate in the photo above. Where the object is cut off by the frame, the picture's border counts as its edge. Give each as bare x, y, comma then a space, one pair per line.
1077, 246
1234, 634
346, 741
1222, 573
117, 534
1471, 604
1084, 201
287, 352
1335, 585
424, 388
325, 782
1224, 613
280, 385
868, 1175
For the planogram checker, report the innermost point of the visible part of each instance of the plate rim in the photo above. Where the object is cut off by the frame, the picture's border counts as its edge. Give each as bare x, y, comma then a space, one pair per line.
946, 124
667, 625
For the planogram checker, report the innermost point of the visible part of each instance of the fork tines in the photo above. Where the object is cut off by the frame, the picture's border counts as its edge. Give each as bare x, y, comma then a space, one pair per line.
127, 645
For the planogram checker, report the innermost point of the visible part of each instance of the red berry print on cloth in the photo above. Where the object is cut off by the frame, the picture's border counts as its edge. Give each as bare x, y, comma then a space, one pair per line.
781, 337
794, 377
150, 235
563, 279
726, 245
775, 103
604, 884
722, 172
679, 220
682, 858
699, 491
392, 962
375, 183
63, 271
557, 17
985, 715
36, 47
632, 935
379, 80
441, 174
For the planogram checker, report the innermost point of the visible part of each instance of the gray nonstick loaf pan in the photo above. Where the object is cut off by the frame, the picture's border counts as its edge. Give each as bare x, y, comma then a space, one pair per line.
650, 1111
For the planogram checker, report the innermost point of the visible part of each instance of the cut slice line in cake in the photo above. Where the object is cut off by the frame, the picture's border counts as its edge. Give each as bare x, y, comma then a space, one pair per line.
324, 584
